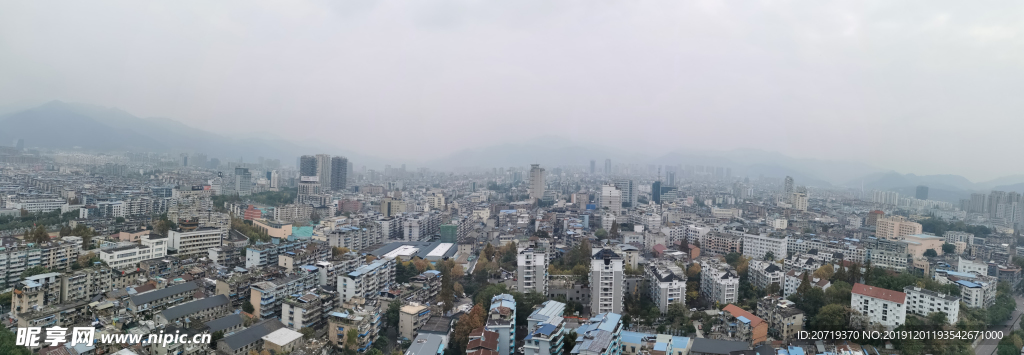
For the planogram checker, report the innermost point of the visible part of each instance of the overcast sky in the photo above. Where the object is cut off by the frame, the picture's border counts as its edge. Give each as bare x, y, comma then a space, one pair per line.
923, 87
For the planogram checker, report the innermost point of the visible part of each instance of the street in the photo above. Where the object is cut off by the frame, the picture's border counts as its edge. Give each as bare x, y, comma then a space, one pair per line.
988, 346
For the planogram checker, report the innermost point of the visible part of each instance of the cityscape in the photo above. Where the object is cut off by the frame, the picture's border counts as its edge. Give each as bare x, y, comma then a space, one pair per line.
510, 178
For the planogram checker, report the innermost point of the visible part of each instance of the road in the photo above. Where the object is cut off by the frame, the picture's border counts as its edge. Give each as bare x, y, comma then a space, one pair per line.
988, 346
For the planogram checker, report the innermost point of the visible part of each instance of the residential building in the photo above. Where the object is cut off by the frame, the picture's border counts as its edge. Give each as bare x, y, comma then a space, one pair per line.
545, 330
201, 310
63, 315
339, 173
923, 302
747, 327
799, 201
599, 335
758, 246
785, 320
303, 311
719, 282
667, 284
881, 306
365, 319
367, 280
628, 189
250, 338
266, 297
606, 281
410, 318
195, 242
894, 227
536, 189
532, 270
282, 341
501, 319
611, 200
428, 344
160, 299
718, 243
35, 292
764, 273
323, 170
128, 257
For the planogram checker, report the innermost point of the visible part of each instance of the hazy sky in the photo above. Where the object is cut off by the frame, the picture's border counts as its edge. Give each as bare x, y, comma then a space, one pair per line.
924, 87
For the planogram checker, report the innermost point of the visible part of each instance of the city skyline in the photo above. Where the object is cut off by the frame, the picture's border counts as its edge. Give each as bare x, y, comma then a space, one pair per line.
805, 81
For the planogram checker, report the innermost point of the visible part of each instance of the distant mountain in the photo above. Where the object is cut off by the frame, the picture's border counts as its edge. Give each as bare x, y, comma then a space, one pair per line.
61, 125
950, 188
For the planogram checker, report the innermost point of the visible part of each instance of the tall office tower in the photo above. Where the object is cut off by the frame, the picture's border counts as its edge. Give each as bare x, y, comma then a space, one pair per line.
307, 165
275, 179
243, 181
612, 199
606, 284
994, 200
607, 166
19, 144
593, 167
184, 159
349, 174
788, 187
536, 182
922, 193
628, 188
672, 178
656, 192
978, 204
323, 170
339, 173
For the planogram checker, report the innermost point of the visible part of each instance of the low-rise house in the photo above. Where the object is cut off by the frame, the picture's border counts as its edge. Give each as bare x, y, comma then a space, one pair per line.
200, 310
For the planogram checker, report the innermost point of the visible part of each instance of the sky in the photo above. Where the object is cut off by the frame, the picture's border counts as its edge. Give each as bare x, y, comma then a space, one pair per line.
926, 87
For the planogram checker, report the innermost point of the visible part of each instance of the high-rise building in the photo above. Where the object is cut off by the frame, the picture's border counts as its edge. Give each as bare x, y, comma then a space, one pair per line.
922, 193
611, 198
593, 167
607, 166
275, 179
307, 165
606, 282
536, 182
323, 169
243, 181
978, 204
788, 187
995, 199
532, 270
628, 189
656, 192
19, 144
339, 173
501, 319
798, 200
671, 178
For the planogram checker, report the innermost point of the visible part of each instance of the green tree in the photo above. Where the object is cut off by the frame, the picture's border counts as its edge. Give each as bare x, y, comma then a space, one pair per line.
769, 256
7, 341
839, 293
930, 253
307, 332
35, 270
391, 316
833, 317
248, 308
948, 248
569, 340
216, 336
374, 351
600, 233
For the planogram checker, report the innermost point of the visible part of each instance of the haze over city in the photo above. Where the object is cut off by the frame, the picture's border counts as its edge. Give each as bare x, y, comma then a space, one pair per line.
894, 86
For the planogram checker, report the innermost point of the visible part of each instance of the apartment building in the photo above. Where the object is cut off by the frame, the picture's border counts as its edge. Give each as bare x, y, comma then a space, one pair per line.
923, 302
160, 299
35, 292
719, 282
367, 280
606, 281
757, 246
501, 318
85, 283
303, 311
129, 256
894, 227
329, 270
667, 284
261, 255
56, 315
226, 256
764, 273
195, 242
785, 320
14, 260
266, 297
359, 237
745, 326
884, 307
201, 310
421, 226
250, 338
794, 278
411, 318
545, 330
532, 270
599, 335
366, 321
718, 243
58, 255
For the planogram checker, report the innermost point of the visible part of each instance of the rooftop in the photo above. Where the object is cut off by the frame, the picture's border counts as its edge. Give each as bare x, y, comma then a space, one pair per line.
282, 336
880, 293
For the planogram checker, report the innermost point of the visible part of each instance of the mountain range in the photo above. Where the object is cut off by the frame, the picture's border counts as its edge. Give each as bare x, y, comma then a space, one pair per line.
71, 126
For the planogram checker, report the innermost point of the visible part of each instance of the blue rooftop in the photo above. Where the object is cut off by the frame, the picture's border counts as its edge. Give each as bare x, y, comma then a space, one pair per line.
743, 319
793, 350
968, 283
661, 346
